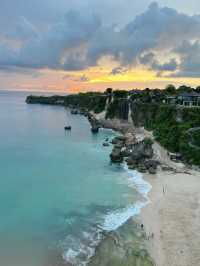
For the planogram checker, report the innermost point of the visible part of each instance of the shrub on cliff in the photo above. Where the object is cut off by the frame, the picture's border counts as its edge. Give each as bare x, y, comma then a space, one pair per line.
148, 141
120, 94
170, 126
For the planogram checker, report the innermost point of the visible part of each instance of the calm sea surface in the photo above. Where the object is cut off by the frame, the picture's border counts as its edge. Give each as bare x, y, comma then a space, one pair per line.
57, 189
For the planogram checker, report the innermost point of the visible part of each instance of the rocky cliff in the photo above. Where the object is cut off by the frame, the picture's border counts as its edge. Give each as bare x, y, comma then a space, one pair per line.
171, 125
176, 128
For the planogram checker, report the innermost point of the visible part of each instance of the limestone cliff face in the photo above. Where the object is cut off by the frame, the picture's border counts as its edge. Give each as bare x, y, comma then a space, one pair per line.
169, 123
118, 108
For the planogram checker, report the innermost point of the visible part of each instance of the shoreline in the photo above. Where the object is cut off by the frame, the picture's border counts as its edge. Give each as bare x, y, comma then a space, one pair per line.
117, 223
171, 232
143, 187
171, 218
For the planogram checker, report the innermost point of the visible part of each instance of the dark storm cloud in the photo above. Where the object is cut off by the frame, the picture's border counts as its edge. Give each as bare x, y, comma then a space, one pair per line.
59, 43
23, 30
171, 65
147, 58
118, 70
189, 52
80, 39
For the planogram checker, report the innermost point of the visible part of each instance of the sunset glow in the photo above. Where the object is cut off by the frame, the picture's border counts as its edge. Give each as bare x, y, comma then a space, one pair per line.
82, 51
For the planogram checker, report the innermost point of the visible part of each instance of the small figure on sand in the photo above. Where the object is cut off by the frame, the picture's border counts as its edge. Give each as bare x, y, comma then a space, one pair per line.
142, 226
163, 190
150, 236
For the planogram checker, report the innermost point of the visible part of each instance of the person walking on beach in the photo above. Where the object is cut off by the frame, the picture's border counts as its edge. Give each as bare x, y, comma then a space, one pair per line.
163, 190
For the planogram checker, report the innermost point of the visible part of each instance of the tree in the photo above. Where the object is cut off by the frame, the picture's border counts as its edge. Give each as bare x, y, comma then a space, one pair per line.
198, 89
120, 94
170, 90
184, 88
108, 91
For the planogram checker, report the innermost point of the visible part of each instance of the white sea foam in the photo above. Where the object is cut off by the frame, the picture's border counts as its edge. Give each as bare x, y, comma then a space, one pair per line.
112, 221
117, 218
136, 180
70, 255
81, 250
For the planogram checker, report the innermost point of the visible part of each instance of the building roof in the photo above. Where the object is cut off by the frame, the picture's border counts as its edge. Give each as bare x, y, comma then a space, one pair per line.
189, 94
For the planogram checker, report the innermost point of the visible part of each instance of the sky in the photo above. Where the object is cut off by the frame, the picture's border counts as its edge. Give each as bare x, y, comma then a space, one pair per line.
72, 46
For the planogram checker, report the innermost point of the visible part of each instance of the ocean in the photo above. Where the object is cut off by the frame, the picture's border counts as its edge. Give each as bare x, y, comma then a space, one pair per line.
58, 190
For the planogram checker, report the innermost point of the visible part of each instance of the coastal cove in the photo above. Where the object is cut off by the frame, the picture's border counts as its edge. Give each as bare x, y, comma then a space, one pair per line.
100, 133
170, 221
71, 194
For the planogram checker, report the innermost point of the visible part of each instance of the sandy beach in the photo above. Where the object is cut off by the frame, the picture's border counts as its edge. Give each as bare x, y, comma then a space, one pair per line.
171, 220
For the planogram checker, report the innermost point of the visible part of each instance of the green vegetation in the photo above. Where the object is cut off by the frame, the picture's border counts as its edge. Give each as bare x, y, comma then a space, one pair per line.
170, 126
170, 123
148, 141
196, 138
120, 94
94, 101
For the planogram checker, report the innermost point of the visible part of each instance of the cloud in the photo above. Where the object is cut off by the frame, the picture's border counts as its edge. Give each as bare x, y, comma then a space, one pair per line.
146, 58
189, 52
82, 78
56, 49
149, 60
171, 65
23, 30
80, 40
118, 70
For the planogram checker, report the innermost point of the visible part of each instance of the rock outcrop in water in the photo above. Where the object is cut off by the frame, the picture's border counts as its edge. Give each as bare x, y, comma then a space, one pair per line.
95, 124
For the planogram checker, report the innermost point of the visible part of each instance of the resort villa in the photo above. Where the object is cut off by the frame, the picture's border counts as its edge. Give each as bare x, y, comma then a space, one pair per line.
191, 99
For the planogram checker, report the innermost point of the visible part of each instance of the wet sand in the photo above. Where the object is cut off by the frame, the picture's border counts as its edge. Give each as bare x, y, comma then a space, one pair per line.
173, 216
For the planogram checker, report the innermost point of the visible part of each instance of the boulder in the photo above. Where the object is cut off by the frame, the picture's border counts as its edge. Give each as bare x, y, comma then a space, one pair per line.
106, 144
152, 171
151, 164
121, 138
167, 168
142, 150
116, 156
95, 124
129, 161
114, 141
125, 152
118, 140
74, 111
141, 168
119, 145
130, 140
131, 167
95, 129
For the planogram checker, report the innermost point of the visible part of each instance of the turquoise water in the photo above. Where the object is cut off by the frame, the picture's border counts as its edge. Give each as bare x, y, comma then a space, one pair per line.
56, 187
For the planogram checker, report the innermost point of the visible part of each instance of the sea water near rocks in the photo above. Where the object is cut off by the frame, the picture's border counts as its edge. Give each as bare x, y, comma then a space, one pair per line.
58, 190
